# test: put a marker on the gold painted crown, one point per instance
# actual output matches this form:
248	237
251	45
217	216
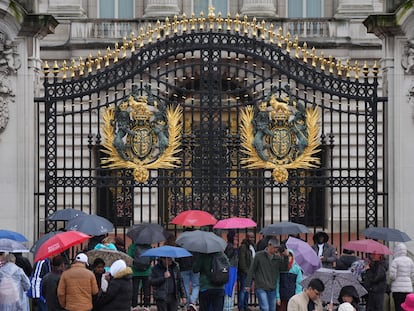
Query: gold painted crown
140	111
280	111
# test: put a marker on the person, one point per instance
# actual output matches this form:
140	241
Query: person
375	282
264	270
50	283
168	285
94	240
120	244
41	268
232	253
247	251
191	280
77	286
98	269
344	262
262	243
211	297
401	274
349	294
288	283
13	284
309	299
325	251
140	276
346	306
106	243
24	263
119	293
408	304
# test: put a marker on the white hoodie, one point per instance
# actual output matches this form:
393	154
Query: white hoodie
401	270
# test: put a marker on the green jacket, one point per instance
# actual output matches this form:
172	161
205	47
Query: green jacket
202	264
135	272
265	270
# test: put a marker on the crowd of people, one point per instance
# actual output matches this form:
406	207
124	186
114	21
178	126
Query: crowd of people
266	268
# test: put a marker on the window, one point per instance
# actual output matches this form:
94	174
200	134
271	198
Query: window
116	9
203	5
304	8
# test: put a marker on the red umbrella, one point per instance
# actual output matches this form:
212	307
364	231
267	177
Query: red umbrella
235	223
59	243
194	218
367	246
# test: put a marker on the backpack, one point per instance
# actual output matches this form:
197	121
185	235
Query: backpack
219	273
141	263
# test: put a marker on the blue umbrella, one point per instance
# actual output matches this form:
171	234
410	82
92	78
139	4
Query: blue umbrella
167	251
12	235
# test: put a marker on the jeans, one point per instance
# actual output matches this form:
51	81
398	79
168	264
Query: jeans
243	298
267	299
145	287
194	278
212	299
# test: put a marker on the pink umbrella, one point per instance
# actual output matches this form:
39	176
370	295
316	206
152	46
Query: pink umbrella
235	223
193	218
367	246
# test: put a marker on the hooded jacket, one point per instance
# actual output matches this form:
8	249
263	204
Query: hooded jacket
159	283
329	252
401	271
288	283
119	293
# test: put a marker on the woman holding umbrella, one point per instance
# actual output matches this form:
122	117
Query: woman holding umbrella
168	285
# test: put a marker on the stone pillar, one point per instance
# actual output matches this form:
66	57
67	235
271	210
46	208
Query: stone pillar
258	8
66	9
161	8
357	8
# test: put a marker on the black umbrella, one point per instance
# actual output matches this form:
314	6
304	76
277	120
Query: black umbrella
284	227
201	242
386	234
146	233
90	224
65	214
42	240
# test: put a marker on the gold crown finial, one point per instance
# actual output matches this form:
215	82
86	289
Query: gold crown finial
46	69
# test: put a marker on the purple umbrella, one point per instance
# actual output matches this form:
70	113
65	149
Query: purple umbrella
304	255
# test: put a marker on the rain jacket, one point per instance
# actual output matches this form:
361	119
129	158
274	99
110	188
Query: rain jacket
135	272
401	271
288	283
13	284
158	281
76	288
119	293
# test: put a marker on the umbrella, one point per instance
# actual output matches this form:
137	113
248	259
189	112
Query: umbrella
334	280
109	256
201	242
235	223
59	243
284	227
146	233
65	214
90	224
167	251
304	255
367	246
193	218
42	240
12	235
12	246
386	234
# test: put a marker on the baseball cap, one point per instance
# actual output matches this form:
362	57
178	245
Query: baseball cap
82	258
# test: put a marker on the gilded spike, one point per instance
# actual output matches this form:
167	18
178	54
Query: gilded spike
263	30
356	69
175	24
288	42
305	52
339	67
228	22
107	56
81	66
245	25
46	69
167	26
98	61
124	48
375	68
348	68
220	21
116	52
72	68
201	20
365	69
331	64
314	57
271	33
55	68
211	17
280	37
150	31
322	61
132	42
64	70
296	47
184	22
237	22
254	26
89	63
142	36
193	21
158	30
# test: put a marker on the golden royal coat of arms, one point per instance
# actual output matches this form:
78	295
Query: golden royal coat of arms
142	135
279	136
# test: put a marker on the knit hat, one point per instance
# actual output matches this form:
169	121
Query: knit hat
117	266
82	258
346	306
408	304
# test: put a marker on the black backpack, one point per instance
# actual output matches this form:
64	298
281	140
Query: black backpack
219	273
141	263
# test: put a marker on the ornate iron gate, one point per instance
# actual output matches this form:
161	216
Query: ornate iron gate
213	68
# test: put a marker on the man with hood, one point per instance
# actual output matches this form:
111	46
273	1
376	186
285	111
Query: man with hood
325	251
401	274
288	283
119	293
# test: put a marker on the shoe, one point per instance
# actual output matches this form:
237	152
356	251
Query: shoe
192	307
